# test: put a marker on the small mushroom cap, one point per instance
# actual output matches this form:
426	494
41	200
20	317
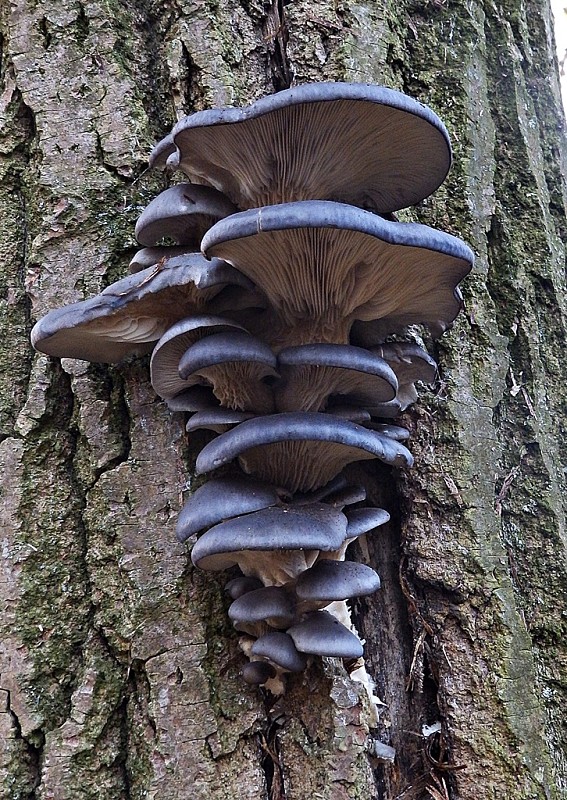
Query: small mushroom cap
223	498
410	363
193	399
268	603
258	672
217	419
280	649
357	143
266	447
322	634
182	213
236	364
311	373
393	431
324	265
311	527
164	364
363	520
151	256
218	349
330	580
129	316
241	585
162	151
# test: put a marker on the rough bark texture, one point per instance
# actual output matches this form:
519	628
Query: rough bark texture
119	671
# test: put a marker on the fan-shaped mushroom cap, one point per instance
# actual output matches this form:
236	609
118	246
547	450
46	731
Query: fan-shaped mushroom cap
150	256
362	520
323	265
280	649
310	527
223	498
301	450
357	143
322	634
311	373
329	580
129	316
217	419
270	603
235	363
164	364
182	213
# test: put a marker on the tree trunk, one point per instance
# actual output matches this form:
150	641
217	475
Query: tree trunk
119	669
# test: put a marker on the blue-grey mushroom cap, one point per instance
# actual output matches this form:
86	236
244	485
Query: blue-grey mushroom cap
329	580
322	634
164	364
152	256
216	419
363	520
258	672
265	604
311	373
312	527
301	451
221	348
182	213
239	367
241	585
358	143
281	650
129	316
193	399
223	498
324	265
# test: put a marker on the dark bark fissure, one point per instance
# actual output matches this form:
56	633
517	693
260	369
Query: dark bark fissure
31	756
276	35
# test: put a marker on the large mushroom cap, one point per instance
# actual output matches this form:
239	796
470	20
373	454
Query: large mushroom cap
311	373
324	265
312	527
164	365
357	143
322	634
182	213
223	498
301	450
129	316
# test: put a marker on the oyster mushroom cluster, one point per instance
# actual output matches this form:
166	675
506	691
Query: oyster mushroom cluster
269	312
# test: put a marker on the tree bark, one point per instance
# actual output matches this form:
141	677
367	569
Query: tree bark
119	669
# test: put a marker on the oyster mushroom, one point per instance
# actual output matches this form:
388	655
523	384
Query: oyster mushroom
129	316
357	143
182	213
235	364
323	265
301	450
